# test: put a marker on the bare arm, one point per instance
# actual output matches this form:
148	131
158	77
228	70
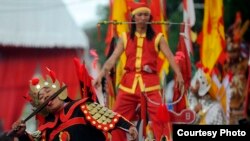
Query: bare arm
110	62
169	55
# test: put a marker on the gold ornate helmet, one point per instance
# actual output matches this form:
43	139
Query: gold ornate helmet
37	83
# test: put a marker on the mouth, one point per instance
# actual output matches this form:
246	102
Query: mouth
50	103
142	22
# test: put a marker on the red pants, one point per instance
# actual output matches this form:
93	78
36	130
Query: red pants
126	105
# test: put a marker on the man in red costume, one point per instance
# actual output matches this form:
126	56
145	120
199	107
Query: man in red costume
140	85
64	119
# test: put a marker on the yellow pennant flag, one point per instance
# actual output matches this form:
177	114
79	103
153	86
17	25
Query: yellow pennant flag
120	13
213	40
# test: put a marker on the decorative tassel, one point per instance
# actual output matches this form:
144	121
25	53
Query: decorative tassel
179	56
95	56
34	81
162	113
52	75
206	70
99	32
198	65
27	97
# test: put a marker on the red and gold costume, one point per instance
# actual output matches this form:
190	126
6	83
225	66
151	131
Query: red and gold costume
140	83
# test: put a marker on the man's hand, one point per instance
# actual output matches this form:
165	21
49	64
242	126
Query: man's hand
133	133
180	83
198	108
19	128
97	82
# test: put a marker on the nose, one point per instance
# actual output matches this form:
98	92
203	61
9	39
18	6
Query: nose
46	97
144	17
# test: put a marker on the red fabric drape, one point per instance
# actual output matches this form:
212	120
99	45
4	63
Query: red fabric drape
185	68
158	13
61	62
13	84
17	67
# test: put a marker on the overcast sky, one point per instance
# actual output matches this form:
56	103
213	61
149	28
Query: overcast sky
84	11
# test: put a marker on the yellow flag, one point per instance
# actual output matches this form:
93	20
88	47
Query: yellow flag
120	13
213	33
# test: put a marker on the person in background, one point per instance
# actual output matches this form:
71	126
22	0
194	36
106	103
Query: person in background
237	64
208	110
140	84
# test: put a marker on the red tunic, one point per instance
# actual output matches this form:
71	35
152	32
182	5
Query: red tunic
141	63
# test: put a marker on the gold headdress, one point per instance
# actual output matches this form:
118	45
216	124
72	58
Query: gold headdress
36	84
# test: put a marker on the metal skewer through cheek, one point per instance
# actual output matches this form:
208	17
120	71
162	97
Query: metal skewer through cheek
39	108
126	22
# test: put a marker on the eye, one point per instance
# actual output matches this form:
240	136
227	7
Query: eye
146	14
48	90
139	14
40	96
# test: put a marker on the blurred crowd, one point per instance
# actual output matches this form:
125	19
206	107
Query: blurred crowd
222	96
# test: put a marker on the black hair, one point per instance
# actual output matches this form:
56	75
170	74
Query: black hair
150	33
